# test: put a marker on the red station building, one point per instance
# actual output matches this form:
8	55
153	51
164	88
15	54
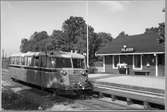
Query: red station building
140	54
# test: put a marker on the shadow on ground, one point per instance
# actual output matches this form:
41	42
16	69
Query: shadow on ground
30	99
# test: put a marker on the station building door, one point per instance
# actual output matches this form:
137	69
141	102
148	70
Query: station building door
161	64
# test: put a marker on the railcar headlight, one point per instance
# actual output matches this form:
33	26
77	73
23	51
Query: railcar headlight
79	84
63	73
84	73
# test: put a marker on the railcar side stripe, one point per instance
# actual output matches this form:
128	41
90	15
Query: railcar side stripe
34	68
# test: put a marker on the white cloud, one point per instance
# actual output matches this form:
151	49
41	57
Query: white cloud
115	6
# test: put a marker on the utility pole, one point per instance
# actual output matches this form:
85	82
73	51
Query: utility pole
3	53
87	36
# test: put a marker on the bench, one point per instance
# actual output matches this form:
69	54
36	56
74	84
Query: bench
146	72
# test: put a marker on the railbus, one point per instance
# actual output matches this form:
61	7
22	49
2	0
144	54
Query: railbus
55	70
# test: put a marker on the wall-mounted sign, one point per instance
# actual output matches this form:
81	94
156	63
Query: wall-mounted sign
126	50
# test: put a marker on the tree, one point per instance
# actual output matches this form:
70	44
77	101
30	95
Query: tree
34	43
37	36
23	45
160	30
122	34
73	28
105	38
58	40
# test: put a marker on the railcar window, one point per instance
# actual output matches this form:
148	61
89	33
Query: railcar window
22	61
26	60
78	63
63	63
43	61
15	60
10	60
29	61
36	61
53	62
19	60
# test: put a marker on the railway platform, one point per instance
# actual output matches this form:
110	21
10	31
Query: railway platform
144	88
130	80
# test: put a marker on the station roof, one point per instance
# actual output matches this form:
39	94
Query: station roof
141	43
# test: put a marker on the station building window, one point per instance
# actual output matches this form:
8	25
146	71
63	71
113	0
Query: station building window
137	62
115	62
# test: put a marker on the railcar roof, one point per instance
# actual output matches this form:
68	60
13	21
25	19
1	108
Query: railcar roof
66	54
52	54
29	54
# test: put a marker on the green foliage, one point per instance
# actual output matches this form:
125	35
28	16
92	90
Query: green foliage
160	30
24	44
73	28
122	34
35	43
105	38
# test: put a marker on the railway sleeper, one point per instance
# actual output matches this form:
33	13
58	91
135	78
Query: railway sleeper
129	101
113	97
146	105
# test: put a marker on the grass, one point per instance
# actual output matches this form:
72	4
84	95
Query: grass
13	101
10	99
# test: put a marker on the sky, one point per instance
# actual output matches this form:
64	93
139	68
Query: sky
20	19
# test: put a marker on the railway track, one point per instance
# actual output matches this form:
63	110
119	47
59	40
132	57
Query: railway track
100	104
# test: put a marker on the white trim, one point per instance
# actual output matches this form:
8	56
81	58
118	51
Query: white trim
141	64
113	66
129	53
104	64
156	65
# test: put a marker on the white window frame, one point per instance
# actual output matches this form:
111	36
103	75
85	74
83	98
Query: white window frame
113	66
136	68
104	65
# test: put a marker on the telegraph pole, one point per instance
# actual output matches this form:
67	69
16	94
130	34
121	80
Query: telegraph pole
3	53
165	41
87	36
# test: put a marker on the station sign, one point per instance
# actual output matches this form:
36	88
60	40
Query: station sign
127	50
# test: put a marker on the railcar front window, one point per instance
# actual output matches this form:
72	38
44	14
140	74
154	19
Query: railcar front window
63	63
78	63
